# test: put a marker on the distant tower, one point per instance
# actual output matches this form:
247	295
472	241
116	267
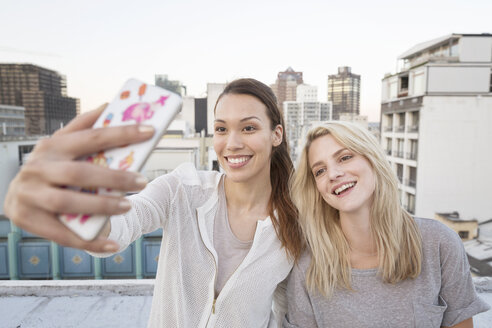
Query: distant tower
344	92
162	81
285	88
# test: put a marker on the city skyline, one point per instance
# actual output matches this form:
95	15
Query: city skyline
100	45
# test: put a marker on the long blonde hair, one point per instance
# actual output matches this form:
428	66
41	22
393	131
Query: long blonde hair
396	234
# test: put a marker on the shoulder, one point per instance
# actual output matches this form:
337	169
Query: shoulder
437	232
440	244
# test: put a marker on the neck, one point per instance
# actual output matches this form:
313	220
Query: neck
248	196
357	229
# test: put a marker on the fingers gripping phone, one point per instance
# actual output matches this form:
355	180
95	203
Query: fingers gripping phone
136	103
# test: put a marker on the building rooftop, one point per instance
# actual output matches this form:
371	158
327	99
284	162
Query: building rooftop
108	303
421	47
454	217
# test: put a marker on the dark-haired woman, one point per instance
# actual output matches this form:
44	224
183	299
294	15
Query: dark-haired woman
228	238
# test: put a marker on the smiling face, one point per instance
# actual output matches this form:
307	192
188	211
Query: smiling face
345	179
243	138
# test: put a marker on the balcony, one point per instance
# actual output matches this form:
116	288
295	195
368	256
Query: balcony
398	153
400	128
388	129
411	155
413	128
410	182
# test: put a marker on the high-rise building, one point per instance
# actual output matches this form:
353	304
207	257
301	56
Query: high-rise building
436	126
344	92
285	88
161	80
43	94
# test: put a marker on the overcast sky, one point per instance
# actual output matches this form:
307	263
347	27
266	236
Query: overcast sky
100	44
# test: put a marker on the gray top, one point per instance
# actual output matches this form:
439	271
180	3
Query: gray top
443	294
230	250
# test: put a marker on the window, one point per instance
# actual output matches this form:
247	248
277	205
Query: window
463	234
490	90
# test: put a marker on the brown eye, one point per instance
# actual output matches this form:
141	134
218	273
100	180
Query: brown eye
249	128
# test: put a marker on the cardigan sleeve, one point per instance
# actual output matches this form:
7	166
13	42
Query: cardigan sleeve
150	208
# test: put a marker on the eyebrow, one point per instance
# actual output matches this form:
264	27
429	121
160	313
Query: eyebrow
242	120
341	150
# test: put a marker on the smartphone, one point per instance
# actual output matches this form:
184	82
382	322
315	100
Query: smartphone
136	103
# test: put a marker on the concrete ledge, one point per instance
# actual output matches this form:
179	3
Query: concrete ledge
55	288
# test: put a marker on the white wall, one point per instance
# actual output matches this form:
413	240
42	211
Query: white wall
162	161
9	164
454	170
213	92
475	49
188	111
458	79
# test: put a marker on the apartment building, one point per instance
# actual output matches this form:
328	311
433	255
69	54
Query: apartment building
436	118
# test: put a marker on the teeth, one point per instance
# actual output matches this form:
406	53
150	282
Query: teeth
345	186
237	160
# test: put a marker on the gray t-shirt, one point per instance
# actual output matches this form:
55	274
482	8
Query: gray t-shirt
443	294
230	250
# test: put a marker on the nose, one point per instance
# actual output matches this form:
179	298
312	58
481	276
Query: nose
234	141
335	172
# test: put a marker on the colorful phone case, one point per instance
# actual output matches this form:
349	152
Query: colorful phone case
136	103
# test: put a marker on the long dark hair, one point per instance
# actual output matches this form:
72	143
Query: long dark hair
281	167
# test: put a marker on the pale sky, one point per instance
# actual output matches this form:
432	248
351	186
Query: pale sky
100	44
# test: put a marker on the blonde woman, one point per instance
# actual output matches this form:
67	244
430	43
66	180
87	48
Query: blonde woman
368	262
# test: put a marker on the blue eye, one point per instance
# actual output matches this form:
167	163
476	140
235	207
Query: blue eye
345	158
319	172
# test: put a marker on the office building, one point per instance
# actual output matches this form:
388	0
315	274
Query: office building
344	92
43	94
285	88
436	126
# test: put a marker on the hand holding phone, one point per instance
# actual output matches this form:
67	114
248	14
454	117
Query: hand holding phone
136	103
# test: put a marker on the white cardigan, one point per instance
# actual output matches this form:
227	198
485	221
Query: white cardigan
184	204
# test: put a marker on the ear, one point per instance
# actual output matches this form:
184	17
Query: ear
277	135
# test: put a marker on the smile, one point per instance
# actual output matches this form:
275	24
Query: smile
237	160
343	188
